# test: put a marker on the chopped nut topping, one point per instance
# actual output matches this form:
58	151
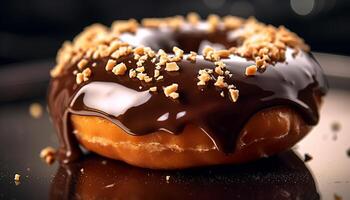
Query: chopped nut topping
132	73
203	77
122	26
219	70
209	54
220	82
110	64
192	56
231	22
141	76
222	94
35	110
86	74
48	154
170	91
223	53
119	69
140	69
82	63
172	66
156	73
251	70
220	64
148	79
234	94
178	52
79	78
159	78
193	18
153	89
213	22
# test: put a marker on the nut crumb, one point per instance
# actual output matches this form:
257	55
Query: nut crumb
79	78
203	77
48	154
251	70
222	94
172	66
234	94
17	177
82	63
35	110
159	78
132	73
156	73
220	82
167	178
110	64
170	91
193	18
192	56
153	89
119	69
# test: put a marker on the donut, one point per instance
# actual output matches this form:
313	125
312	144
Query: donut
176	92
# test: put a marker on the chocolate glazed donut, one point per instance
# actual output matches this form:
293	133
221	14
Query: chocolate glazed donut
103	93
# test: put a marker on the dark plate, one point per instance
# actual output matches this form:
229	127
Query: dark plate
285	176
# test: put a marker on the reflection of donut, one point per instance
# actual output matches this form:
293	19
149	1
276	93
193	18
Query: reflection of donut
121	90
281	177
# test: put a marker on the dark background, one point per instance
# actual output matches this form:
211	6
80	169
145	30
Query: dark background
35	29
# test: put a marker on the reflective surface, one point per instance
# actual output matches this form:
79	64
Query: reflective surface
281	177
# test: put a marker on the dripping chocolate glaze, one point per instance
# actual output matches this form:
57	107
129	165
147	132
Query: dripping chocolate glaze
294	83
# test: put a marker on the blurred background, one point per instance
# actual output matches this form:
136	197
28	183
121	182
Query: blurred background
35	29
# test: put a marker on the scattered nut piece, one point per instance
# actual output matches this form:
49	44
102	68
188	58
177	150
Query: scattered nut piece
234	94
178	52
203	77
193	18
110	64
172	66
48	154
82	63
156	73
220	82
86	74
222	94
17	177
159	78
153	89
192	56
167	178
35	110
140	69
223	53
170	91
132	73
79	78
219	71
251	70
119	69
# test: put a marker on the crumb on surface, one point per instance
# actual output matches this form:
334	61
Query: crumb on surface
251	70
170	91
17	177
172	66
234	94
119	69
36	110
48	154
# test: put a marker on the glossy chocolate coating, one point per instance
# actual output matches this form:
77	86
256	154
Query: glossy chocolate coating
294	82
277	178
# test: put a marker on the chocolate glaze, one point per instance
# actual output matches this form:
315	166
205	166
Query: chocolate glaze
280	177
294	82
